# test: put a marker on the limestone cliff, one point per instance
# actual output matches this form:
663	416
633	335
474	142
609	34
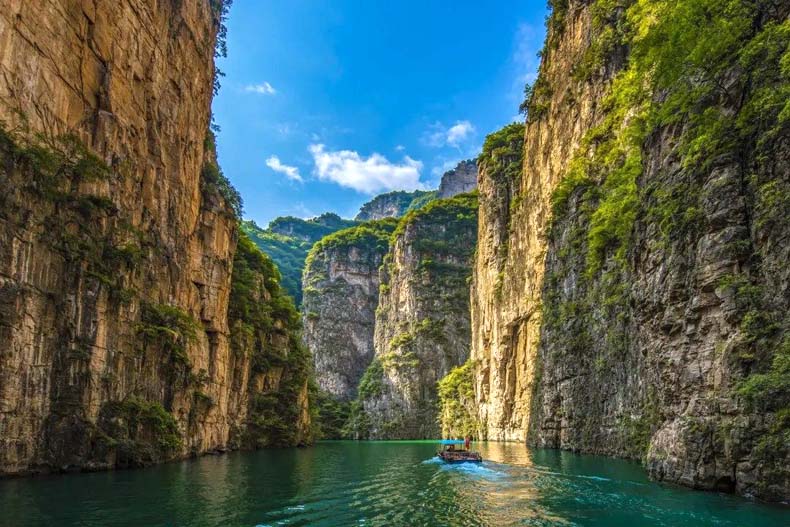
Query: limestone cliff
422	321
117	238
390	205
340	297
461	179
628	297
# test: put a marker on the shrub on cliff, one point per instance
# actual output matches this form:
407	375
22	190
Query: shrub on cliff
139	432
457	405
265	325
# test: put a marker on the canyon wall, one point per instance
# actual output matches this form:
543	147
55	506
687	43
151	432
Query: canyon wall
341	293
628	298
461	179
422	321
117	238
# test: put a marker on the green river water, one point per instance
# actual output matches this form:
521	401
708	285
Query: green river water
375	483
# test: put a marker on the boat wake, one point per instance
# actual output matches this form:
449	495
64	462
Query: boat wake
474	469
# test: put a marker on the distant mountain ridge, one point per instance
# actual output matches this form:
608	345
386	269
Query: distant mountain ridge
392	204
288	239
461	179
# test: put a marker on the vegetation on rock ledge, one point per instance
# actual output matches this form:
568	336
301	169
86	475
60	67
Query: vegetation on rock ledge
265	326
457	405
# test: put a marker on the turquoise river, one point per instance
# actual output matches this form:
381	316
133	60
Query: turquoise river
375	483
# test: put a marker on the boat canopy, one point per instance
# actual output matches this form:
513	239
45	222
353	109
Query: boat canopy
451	442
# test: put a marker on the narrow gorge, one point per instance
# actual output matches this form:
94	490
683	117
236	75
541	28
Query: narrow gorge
607	275
386	310
627	293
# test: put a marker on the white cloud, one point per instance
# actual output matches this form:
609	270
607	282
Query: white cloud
440	135
527	41
261	89
290	172
285	129
368	175
400	148
302	211
459	132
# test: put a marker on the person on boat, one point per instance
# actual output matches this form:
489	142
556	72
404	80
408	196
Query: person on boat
467	442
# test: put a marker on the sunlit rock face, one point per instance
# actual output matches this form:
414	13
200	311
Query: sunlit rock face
644	352
115	268
461	179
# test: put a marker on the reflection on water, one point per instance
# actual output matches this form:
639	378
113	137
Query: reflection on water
375	483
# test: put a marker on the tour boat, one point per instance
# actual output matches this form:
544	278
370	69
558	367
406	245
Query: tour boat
449	453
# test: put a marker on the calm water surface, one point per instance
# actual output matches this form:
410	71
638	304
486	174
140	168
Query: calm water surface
375	483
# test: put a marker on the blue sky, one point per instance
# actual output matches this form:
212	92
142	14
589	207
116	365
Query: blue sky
328	103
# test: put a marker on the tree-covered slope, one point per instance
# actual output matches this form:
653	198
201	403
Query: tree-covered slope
288	240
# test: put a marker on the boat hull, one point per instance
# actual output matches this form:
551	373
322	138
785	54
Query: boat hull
460	457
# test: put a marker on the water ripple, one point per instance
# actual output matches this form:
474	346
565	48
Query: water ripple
375	484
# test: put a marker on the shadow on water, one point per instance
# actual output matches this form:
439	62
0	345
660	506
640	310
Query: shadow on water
376	483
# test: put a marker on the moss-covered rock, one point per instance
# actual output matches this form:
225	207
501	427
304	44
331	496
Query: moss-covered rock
422	321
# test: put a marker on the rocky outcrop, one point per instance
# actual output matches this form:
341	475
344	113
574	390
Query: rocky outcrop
627	298
340	298
461	179
390	205
422	321
117	238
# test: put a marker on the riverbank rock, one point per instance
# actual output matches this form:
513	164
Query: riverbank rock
628	298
